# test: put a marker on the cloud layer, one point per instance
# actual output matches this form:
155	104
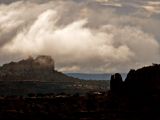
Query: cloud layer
81	36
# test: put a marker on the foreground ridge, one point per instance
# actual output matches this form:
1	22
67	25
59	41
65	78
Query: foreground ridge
136	98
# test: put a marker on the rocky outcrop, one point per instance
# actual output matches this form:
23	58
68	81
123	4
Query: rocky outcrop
141	81
40	62
38	75
138	93
29	69
116	83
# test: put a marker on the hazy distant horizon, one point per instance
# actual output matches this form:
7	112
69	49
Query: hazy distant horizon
94	76
104	36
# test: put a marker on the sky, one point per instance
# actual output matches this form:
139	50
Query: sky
89	36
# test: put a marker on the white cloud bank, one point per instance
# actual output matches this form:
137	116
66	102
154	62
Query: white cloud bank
76	47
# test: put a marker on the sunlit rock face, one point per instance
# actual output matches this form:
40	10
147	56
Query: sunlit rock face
28	69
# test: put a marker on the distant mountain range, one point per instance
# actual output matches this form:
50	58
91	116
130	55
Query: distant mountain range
94	76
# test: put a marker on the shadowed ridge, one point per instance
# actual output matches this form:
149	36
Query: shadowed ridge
39	69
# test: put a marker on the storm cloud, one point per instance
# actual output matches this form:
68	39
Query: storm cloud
82	36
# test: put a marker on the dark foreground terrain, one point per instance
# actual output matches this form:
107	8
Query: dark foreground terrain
32	89
61	106
92	106
23	88
136	98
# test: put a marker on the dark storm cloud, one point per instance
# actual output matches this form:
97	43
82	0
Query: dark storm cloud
7	1
7	36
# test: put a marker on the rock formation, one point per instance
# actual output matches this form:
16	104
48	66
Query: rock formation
40	68
143	80
140	91
38	75
116	83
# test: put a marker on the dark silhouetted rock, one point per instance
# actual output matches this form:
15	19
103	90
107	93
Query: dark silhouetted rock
145	80
140	91
116	83
142	81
